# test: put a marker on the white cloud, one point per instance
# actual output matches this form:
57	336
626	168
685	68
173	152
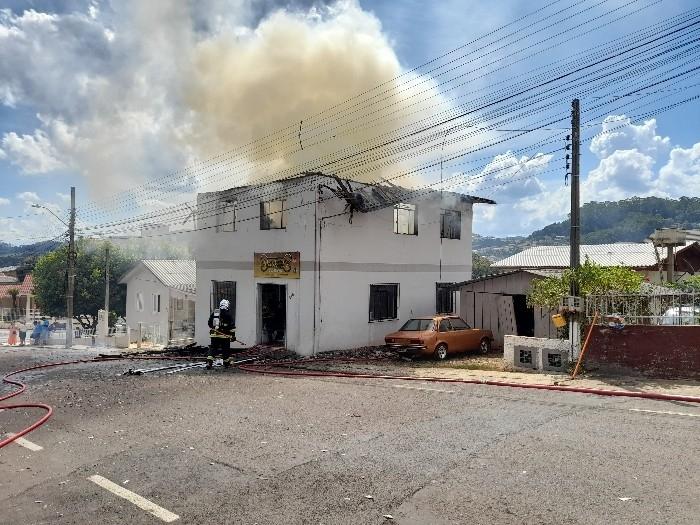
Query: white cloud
29	197
618	133
681	174
4	201
33	153
624	173
508	178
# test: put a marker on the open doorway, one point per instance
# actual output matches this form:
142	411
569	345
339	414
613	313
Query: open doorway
272	313
524	316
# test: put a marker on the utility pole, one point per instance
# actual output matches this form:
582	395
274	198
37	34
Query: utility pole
575	218
106	290
71	270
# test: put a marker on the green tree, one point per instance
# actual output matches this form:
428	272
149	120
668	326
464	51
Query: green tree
591	279
690	285
481	266
50	279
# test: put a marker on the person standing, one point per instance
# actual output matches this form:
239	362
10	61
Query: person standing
221	332
44	333
22	333
12	339
36	333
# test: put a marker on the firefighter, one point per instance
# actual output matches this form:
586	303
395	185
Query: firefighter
221	332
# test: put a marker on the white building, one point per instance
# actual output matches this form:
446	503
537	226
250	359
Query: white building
160	296
319	263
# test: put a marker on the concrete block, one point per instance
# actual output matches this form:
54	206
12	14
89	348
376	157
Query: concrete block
536	353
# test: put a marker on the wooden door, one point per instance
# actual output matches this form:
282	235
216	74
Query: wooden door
506	316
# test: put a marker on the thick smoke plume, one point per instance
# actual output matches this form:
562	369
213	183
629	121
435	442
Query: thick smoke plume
131	91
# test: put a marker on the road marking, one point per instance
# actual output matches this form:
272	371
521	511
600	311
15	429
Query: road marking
424	389
26	443
663	412
139	501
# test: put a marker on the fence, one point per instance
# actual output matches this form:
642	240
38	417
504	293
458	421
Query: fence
655	309
8	315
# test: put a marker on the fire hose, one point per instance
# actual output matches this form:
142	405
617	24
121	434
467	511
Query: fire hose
283	368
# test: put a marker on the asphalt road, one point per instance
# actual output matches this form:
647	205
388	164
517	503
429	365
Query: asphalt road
229	447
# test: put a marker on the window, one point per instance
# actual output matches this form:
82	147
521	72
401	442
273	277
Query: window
458	324
405	221
156	303
226	216
417	325
445	325
444	298
383	301
139	301
224	290
179	303
450	224
273	215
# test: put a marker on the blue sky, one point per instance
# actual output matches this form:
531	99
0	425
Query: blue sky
101	96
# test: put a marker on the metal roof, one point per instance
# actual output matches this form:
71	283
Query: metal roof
538	273
635	255
180	274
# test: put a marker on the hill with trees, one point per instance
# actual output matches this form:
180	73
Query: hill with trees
629	220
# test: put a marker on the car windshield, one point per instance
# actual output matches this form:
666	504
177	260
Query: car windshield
417	325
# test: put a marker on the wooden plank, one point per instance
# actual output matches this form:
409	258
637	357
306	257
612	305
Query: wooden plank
507	315
478	309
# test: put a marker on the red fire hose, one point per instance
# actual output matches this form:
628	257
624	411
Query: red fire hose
47	408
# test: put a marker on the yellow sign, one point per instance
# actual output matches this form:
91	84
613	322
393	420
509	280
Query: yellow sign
276	264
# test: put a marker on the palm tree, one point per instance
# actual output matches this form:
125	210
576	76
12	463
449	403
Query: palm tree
13	292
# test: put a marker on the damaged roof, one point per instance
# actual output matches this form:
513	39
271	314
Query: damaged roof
363	196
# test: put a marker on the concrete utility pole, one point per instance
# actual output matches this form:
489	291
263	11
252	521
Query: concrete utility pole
106	290
71	270
575	219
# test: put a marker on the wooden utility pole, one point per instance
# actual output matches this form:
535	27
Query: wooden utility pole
71	270
575	218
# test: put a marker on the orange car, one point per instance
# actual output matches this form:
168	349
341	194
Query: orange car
438	336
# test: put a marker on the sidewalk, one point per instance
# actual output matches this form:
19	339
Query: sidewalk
626	383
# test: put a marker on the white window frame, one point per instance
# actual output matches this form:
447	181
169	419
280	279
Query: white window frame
451	233
139	301
265	215
405	219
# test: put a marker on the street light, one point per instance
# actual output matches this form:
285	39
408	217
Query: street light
71	264
51	212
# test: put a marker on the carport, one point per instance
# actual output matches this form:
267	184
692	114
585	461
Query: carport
498	303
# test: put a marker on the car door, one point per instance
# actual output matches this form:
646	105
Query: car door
445	334
465	337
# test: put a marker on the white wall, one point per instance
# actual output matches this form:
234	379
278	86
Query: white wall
142	280
339	261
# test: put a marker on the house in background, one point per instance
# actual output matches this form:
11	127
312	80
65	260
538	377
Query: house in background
321	263
642	257
25	307
499	303
160	296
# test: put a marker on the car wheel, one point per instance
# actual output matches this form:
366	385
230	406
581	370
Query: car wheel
485	346
441	351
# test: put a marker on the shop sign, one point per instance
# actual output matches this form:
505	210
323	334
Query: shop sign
276	264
